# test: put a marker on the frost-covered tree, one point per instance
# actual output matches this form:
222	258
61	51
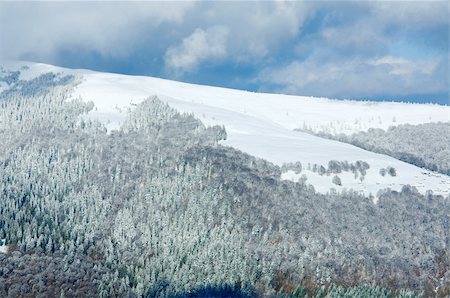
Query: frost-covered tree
391	171
296	167
336	180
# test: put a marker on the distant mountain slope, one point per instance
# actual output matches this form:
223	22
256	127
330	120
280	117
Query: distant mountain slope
262	124
425	145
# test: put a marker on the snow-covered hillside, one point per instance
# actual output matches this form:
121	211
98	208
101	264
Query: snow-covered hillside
263	124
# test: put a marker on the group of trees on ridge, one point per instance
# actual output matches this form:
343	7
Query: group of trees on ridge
359	169
424	145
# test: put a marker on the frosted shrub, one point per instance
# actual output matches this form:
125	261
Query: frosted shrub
336	180
391	171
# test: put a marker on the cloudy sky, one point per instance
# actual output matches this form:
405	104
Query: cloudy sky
387	50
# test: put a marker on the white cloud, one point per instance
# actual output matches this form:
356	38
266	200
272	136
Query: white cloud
411	13
257	29
392	76
363	34
110	28
402	66
201	45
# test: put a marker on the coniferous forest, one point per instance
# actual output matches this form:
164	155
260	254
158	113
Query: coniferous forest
159	209
424	145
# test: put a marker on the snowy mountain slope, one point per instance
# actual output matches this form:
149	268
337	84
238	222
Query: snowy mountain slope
262	124
318	114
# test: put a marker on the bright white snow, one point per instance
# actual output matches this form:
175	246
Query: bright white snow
3	247
262	124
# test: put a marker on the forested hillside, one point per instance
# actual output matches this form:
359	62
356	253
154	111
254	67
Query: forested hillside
160	209
424	145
